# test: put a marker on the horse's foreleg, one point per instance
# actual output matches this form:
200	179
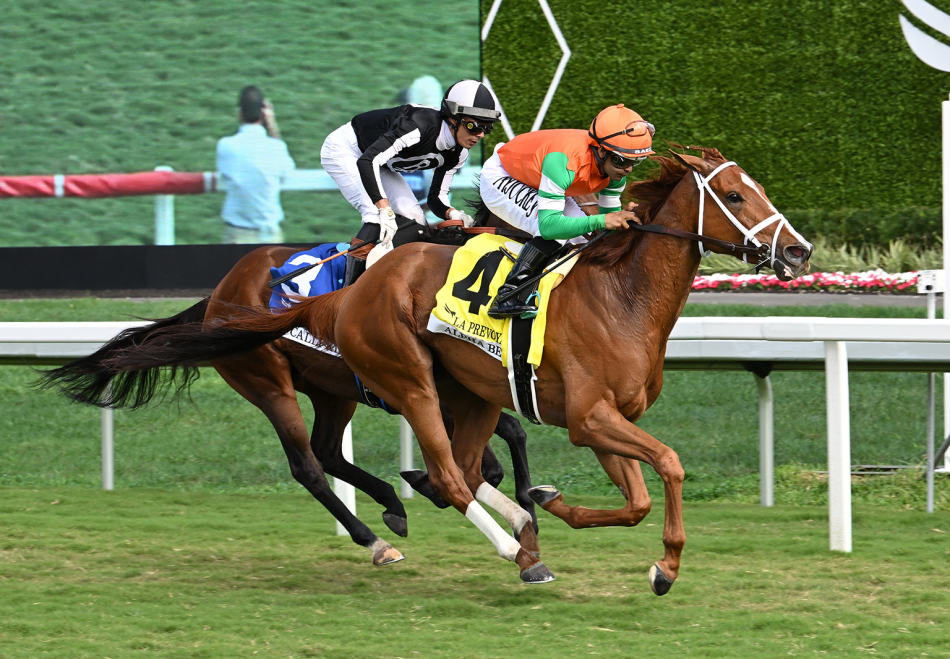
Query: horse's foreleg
625	474
601	427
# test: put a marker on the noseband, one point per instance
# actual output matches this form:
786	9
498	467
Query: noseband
765	252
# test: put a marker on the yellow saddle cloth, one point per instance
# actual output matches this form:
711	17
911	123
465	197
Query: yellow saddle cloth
478	270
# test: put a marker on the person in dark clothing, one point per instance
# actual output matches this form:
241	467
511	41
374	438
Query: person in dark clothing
368	154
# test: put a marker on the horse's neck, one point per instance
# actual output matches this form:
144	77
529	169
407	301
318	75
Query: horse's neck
650	283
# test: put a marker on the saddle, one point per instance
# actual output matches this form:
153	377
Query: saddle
450	232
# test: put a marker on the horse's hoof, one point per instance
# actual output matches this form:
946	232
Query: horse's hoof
419	481
398	525
659	582
537	573
543	494
387	555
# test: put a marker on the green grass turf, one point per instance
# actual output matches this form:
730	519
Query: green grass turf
89	574
217	441
91	86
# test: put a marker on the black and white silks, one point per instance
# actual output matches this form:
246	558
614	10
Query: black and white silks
408	138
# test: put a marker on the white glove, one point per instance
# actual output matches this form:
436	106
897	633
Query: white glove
387	226
467	219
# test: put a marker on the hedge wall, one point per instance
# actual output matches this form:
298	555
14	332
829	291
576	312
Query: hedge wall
821	101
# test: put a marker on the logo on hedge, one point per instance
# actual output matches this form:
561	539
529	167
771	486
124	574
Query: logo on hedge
931	51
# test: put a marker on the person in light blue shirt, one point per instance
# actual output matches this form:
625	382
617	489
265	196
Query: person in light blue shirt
250	166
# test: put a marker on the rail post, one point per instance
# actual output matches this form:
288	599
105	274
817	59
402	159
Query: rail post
164	215
345	491
108	445
766	442
839	445
405	455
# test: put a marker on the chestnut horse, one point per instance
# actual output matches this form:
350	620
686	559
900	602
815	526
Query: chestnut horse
607	329
268	377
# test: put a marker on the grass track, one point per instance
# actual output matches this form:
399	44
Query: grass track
92	574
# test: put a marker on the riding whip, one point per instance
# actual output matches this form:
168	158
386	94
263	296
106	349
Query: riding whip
299	271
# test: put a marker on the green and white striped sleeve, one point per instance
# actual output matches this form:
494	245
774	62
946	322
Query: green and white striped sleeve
556	178
609	198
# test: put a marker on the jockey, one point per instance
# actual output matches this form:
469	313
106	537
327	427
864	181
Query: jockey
530	181
407	138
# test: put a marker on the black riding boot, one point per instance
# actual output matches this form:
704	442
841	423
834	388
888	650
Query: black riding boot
533	257
354	268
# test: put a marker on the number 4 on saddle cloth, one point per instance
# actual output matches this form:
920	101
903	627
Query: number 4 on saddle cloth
324	278
478	270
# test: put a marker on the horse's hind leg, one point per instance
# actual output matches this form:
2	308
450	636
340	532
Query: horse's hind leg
625	474
331	415
263	378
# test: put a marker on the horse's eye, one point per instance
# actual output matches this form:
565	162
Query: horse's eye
733	197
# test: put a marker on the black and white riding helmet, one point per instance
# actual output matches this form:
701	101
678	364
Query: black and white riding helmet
470	98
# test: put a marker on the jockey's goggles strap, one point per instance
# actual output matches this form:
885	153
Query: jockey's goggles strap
749	234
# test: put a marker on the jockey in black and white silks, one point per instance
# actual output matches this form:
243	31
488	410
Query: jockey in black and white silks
366	156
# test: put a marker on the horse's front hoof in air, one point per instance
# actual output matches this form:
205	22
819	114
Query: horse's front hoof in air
659	582
384	553
537	573
544	494
398	525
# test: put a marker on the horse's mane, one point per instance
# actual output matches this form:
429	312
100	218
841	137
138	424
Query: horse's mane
650	196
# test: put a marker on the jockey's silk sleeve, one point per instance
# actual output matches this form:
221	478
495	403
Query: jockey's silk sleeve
609	198
556	178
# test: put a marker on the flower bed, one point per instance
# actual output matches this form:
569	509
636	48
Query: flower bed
874	281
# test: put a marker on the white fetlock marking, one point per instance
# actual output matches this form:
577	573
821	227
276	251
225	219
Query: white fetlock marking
506	545
378	545
514	514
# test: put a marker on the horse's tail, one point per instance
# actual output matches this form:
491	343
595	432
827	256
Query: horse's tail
128	371
89	380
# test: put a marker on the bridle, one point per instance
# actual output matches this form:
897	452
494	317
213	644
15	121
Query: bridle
765	252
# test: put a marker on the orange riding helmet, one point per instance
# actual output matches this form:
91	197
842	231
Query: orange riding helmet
623	131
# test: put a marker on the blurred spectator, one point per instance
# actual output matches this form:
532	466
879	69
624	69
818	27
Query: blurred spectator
251	164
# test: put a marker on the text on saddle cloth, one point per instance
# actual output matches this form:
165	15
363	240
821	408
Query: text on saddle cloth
478	270
324	278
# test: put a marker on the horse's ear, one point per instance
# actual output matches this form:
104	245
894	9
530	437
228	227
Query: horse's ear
690	162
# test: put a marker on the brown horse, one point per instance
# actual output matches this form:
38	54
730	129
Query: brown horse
268	377
608	325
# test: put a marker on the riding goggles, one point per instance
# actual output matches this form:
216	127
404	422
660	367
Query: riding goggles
620	162
475	128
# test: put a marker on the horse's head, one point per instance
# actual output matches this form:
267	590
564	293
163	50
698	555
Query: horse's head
732	205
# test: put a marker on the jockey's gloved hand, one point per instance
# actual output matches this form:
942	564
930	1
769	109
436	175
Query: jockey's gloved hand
387	225
467	219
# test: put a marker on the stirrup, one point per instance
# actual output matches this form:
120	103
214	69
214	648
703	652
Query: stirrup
513	307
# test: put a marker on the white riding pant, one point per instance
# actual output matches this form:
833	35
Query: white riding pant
513	201
338	156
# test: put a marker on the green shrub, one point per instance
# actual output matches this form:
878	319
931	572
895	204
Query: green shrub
820	101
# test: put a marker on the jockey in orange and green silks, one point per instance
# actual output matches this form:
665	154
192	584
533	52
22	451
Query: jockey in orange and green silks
530	183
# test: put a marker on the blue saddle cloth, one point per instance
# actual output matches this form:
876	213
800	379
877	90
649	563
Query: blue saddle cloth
324	278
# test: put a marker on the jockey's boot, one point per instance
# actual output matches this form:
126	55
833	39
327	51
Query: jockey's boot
354	268
533	257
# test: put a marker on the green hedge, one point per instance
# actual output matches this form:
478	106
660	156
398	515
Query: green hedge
821	101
